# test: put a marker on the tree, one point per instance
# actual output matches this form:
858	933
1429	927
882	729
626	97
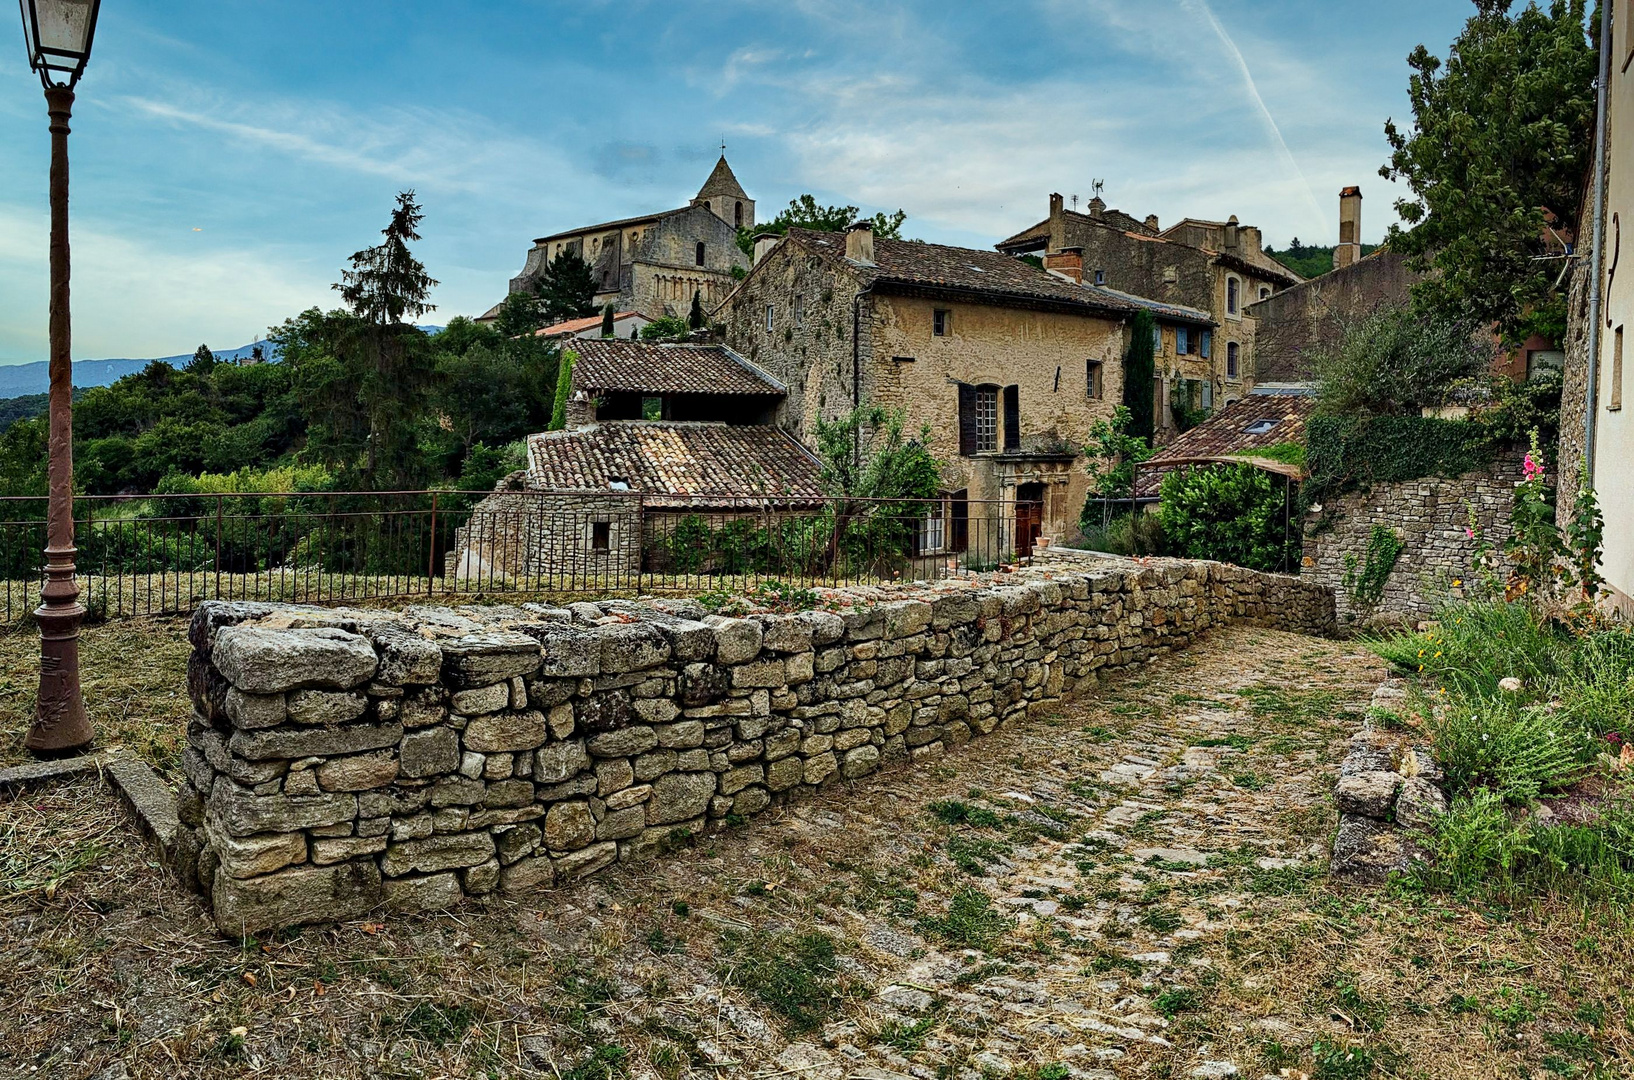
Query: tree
1112	454
566	288
695	317
1139	369
203	362
1500	142
665	328
564	390
608	321
807	213
518	315
1395	361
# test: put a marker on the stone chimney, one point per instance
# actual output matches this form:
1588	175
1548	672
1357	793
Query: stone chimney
1068	262
764	242
1231	238
1058	222
1349	249
859	243
1151	223
1097	207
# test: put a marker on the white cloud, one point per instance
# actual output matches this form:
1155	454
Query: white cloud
138	297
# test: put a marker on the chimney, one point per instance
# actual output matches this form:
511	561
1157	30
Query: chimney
1349	249
1151	223
1058	222
1068	262
1097	207
764	242
859	243
1231	229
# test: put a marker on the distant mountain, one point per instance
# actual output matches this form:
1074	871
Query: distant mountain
18	380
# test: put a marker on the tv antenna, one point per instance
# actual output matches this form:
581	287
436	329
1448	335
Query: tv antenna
1075	203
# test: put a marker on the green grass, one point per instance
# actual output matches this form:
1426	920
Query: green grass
907	1039
954	812
1176	1000
971	920
437	1024
795	975
606	1062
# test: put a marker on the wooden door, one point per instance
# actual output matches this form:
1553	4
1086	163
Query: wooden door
1029	517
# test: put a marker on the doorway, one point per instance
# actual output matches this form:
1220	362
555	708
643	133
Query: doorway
1029	517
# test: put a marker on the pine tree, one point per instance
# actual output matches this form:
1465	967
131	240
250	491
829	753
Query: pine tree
203	362
1139	369
695	317
567	288
607	314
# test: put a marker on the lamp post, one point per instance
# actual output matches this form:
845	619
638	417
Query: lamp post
58	34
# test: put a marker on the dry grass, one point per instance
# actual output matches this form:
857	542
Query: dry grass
708	962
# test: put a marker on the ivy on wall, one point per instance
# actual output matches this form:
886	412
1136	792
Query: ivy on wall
1346	452
1364	578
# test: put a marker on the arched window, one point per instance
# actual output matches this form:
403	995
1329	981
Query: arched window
700	253
1231	360
737	215
1231	296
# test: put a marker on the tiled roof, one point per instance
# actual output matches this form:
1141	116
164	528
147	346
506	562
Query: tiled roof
1227	434
574	326
992	274
649	367
722	182
677	464
609	226
1171	312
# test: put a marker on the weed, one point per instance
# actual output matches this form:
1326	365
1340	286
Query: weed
1162	920
971	920
1236	742
906	1039
436	1024
1340	1061
793	974
974	856
606	1062
954	812
1106	962
1174	1001
1249	781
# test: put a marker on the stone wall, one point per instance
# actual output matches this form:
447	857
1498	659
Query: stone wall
343	763
1430	515
549	538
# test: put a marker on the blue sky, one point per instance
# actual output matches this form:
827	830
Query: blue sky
229	156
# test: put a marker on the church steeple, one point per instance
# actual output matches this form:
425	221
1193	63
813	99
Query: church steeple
725	197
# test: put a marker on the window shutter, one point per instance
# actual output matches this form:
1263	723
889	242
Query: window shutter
967	420
1157	341
1208	340
1182	340
1012	418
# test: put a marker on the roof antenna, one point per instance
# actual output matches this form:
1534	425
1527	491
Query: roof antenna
1099	185
1075	204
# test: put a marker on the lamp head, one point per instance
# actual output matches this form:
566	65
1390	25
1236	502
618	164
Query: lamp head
58	35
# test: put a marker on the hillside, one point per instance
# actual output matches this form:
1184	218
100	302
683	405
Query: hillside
1310	261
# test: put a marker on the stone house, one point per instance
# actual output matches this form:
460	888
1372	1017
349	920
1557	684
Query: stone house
653	264
1214	266
614	379
1242	430
1008	364
626	324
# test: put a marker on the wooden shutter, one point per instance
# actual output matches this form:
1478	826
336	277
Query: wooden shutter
1208	342
967	420
1012	418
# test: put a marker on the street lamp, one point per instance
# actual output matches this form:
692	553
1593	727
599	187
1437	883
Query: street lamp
58	34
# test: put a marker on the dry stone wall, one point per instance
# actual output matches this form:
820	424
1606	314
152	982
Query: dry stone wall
1430	516
343	763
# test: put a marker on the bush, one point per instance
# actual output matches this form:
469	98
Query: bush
1347	452
1232	513
1128	534
1515	751
1394	360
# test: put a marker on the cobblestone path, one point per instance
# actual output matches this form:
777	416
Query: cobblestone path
1060	900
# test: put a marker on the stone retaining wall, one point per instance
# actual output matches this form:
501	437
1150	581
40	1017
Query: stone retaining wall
1430	516
343	763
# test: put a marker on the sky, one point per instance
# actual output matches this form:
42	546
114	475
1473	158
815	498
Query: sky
228	156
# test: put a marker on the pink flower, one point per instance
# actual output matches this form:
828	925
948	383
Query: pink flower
1531	468
1469	532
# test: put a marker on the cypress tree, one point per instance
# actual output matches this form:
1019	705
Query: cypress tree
607	314
564	390
695	317
1138	372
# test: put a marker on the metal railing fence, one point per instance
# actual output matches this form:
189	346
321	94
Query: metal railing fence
163	554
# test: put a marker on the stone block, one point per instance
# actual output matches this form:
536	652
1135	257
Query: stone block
289	743
689	640
588	861
481	699
751	801
361	772
302	894
632	647
825	626
736	640
436	892
799	668
680	796
560	761
859	762
622	824
516	841
1369	794
257	854
489	657
457	791
438	852
701	684
613	775
735	780
569	826
243	813
1420	804
785	633
819	768
506	731
567	651
626	742
341	848
656	710
761	673
527	877
785	773
432	752
261	660
253	711
604	712
325	706
508	793
481	880
630	796
682	736
405	658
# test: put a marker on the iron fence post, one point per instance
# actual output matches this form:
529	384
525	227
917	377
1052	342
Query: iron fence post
431	546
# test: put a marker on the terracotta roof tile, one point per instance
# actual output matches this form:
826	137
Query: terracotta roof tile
574	326
680	464
1235	430
649	367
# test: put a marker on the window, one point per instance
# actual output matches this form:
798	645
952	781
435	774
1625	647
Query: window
1231	295
978	419
1012	418
940	322
1231	360
1157	341
601	536
700	255
1616	400
1100	277
1260	427
1208	342
1182	340
1541	360
1092	380
799	310
933	532
1265	291
737	215
770	311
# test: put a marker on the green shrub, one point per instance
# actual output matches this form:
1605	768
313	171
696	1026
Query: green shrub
1474	644
971	920
1127	534
1517	751
1364	579
1233	513
1343	452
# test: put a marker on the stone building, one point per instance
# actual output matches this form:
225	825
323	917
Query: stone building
615	379
1008	364
1214	266
1596	430
655	263
626	324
